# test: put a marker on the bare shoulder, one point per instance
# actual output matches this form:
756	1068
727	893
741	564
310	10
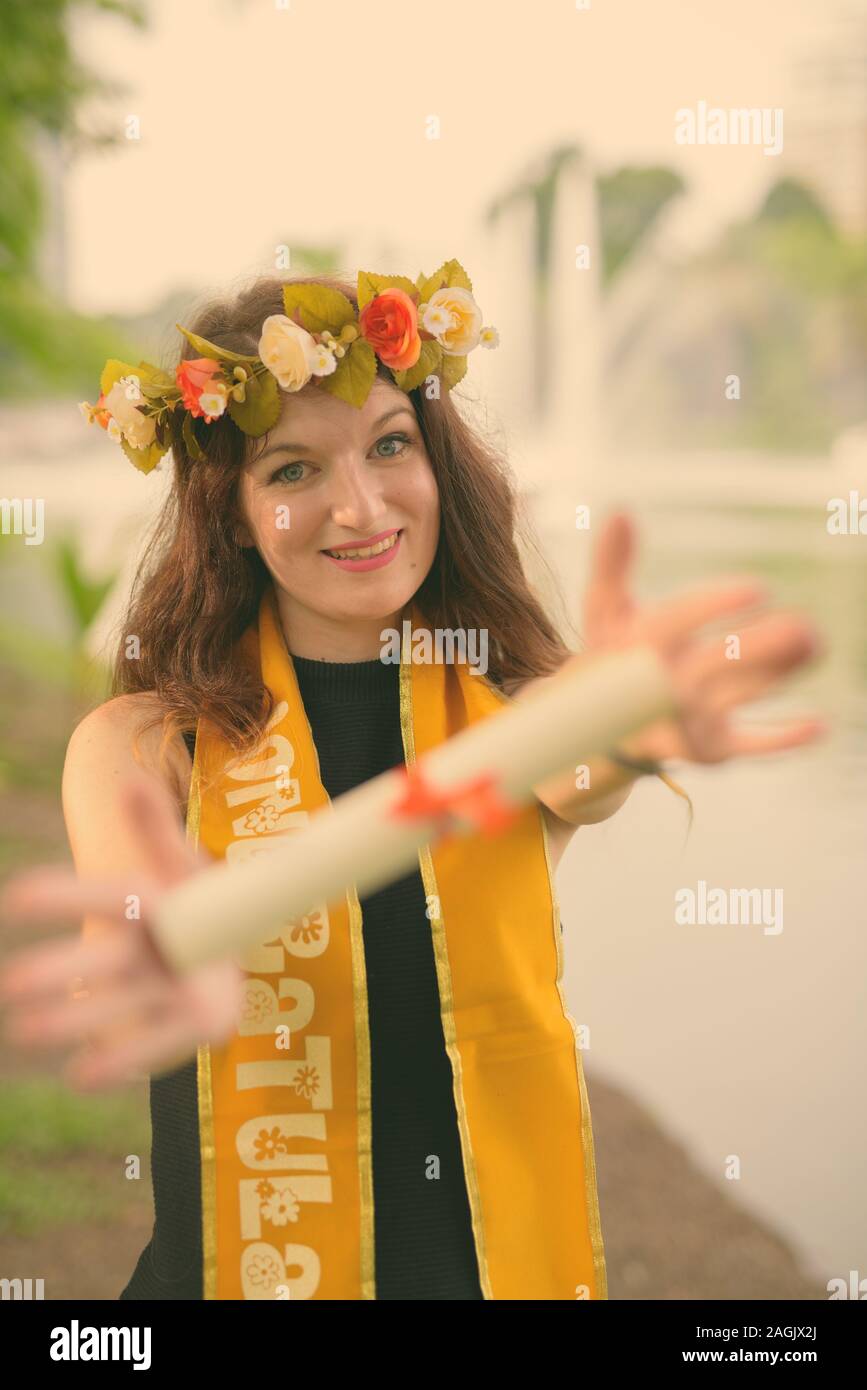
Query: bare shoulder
117	737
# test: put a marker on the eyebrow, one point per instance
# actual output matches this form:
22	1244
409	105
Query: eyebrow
303	448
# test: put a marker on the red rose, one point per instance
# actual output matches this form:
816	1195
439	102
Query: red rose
195	376
389	322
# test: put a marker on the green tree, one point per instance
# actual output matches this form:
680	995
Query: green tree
630	201
42	88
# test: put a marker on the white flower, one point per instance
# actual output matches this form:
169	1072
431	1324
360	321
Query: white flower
454	318
281	1207
114	430
287	350
489	337
213	403
137	428
323	361
86	410
132	387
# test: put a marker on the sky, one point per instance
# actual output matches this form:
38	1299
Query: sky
262	123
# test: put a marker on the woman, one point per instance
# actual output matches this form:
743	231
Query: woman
421	1130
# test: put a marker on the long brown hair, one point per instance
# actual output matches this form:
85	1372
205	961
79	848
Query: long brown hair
196	589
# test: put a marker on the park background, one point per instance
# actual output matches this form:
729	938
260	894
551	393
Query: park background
153	153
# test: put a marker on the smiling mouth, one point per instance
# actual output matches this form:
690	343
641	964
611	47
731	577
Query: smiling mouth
364	552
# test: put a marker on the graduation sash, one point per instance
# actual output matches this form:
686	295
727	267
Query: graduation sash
285	1104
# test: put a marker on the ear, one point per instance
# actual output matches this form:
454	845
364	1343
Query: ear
241	535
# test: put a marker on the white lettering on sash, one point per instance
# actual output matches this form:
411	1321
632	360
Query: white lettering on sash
309	1076
278	1195
262	1013
263	1271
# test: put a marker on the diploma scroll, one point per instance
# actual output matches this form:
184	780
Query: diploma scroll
365	838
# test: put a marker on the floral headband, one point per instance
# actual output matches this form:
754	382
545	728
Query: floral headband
417	330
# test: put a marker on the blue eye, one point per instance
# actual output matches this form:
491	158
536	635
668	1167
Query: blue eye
390	439
286	466
281	475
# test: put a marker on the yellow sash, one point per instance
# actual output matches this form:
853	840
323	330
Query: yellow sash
285	1104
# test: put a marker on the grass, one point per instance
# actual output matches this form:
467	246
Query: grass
56	1151
43	1118
34	1201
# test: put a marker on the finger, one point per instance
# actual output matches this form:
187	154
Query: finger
768	649
152	815
45	970
793	735
608	599
155	1049
61	1022
671	622
55	893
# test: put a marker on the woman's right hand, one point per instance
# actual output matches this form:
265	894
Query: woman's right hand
134	1013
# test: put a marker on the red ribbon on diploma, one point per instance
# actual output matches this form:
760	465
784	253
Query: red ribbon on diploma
478	800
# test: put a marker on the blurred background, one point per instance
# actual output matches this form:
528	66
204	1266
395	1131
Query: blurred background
683	333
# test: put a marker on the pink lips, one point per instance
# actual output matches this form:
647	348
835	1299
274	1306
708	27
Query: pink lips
374	562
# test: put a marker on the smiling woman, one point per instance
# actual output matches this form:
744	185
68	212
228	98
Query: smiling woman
325	477
360	501
319	536
387	1100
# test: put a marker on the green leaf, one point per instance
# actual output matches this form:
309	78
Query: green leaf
261	407
154	379
219	354
354	375
450	274
112	373
145	460
319	307
370	285
454	366
160	393
428	361
188	434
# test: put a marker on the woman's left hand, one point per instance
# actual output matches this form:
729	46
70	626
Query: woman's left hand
703	731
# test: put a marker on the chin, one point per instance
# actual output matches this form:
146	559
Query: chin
382	604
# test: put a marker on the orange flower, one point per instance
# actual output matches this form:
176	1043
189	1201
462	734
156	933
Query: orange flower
389	322
194	376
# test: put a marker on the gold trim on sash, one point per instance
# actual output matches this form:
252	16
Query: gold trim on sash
590	1193
517	1072
361	1016
444	984
207	1150
365	1097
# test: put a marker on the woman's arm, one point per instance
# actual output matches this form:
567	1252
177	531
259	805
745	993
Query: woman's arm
99	760
607	784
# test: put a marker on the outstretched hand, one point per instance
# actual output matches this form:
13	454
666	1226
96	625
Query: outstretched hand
711	678
135	1013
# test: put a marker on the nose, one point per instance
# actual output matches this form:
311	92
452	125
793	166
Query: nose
356	501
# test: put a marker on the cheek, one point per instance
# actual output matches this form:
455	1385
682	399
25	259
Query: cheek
425	500
280	525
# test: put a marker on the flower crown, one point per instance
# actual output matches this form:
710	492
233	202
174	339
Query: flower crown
417	330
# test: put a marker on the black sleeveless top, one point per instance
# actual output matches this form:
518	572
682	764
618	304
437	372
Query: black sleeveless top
423	1235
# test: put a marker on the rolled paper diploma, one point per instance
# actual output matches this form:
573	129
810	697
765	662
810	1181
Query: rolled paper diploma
369	836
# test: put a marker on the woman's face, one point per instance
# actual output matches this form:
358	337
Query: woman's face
334	478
